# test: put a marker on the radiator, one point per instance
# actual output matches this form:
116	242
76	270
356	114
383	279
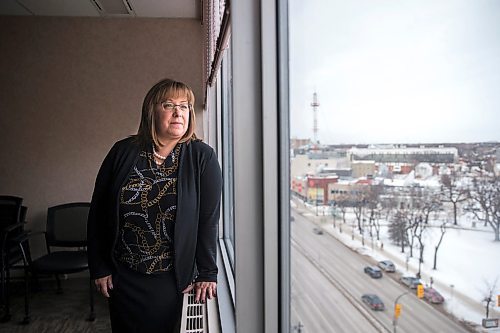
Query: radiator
194	315
198	317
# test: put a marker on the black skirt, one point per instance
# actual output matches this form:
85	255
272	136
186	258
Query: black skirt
141	303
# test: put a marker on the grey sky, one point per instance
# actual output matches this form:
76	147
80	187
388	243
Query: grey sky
396	71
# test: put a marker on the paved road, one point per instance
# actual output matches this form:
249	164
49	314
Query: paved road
328	281
319	306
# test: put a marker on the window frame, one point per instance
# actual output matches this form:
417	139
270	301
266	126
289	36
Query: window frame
259	288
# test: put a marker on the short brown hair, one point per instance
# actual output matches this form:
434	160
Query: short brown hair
160	91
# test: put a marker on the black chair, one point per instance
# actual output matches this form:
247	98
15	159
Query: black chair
67	230
14	248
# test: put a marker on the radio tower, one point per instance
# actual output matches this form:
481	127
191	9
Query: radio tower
315	105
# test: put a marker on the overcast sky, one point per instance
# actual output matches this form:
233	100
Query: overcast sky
389	71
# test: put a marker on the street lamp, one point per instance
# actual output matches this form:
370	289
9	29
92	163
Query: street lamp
298	327
396	315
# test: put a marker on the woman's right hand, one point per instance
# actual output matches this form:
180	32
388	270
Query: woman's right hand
104	285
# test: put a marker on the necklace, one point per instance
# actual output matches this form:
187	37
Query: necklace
158	155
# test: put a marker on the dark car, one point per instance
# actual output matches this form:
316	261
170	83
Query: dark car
373	271
387	266
410	281
318	231
373	301
433	296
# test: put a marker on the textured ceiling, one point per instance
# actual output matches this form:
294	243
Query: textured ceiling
104	8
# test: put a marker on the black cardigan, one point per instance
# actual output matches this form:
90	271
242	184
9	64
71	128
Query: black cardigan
199	188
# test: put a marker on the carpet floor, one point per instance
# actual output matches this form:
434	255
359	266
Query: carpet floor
57	313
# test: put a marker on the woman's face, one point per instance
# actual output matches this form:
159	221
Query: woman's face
172	118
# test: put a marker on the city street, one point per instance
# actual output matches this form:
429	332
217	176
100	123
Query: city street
327	284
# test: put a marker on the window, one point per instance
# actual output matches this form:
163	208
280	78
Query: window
227	155
404	94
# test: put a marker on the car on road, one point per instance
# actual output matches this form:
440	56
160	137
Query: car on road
431	295
373	271
373	301
410	281
318	231
387	266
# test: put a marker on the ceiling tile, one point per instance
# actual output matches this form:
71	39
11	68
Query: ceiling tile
11	7
60	7
162	8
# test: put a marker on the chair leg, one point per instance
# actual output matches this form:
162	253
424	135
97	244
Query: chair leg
2	282
59	288
24	247
6	295
92	311
27	317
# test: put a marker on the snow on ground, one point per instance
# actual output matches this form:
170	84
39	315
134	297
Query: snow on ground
468	260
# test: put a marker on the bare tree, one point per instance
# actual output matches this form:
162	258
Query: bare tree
427	204
359	202
489	295
412	227
374	209
419	231
453	192
343	204
423	203
485	193
388	207
375	217
443	229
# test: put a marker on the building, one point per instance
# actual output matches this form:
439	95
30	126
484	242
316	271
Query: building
299	143
363	169
317	163
406	155
345	190
73	79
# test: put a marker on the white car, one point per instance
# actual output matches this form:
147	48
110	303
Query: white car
410	281
387	266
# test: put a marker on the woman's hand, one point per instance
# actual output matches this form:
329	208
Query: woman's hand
104	285
202	290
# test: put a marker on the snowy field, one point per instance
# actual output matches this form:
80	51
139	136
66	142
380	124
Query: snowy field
468	261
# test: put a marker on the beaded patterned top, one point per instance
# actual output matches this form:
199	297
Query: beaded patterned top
147	214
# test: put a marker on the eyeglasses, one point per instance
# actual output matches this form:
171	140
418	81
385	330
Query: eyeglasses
169	106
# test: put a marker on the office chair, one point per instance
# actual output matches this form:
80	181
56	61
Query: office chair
13	246
66	228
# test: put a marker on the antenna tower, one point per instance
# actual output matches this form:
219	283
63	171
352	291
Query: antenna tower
315	105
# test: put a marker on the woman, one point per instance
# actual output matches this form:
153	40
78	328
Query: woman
152	227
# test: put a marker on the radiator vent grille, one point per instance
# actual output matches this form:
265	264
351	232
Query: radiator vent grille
194	316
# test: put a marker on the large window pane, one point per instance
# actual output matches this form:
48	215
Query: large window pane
395	139
227	162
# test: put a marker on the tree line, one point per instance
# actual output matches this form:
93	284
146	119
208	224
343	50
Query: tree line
411	210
